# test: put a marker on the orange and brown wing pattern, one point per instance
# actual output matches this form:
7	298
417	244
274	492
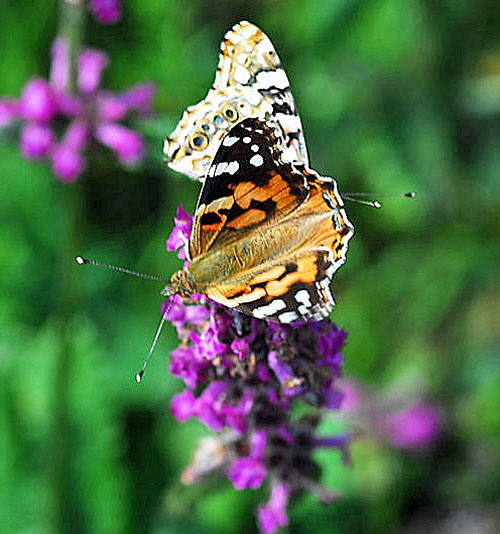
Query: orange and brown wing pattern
307	247
247	187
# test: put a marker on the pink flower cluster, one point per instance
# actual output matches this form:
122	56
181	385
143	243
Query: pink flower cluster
60	126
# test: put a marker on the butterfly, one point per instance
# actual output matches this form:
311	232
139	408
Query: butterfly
250	82
267	235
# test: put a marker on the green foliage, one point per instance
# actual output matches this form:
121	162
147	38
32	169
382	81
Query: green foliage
394	96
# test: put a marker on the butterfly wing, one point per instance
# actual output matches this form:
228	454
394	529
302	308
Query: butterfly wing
267	238
247	186
294	285
250	82
249	59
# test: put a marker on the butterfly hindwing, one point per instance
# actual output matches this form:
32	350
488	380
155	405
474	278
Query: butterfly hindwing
247	186
295	289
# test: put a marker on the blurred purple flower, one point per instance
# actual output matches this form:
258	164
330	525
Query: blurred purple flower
179	238
273	515
242	375
38	101
106	11
91	65
247	473
9	111
413	427
36	140
399	418
93	113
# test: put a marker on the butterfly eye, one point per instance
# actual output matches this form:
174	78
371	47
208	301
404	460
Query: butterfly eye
219	121
199	141
207	127
230	113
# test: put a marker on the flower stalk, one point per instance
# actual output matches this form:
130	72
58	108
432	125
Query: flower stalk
71	25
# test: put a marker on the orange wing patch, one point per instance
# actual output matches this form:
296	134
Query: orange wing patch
249	218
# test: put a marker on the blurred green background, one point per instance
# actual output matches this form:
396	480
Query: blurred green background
394	96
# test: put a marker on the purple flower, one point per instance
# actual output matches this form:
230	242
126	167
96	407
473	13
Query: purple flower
91	64
183	405
106	11
9	111
247	473
67	163
125	142
186	364
139	98
413	427
179	238
36	140
273	515
92	113
38	102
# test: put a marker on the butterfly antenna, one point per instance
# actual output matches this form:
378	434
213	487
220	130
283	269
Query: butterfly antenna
375	203
140	375
86	261
370	203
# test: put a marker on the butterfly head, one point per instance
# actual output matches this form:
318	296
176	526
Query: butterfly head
180	284
193	144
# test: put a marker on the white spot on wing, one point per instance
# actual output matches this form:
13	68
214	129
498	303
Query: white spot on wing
255	148
276	78
288	317
303	297
273	307
241	75
246	139
257	160
229	140
233	167
223	167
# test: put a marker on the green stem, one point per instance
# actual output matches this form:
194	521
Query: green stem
63	512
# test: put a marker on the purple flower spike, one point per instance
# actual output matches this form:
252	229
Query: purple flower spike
247	473
67	163
273	515
10	110
413	427
106	11
91	63
125	142
249	375
83	114
36	140
38	102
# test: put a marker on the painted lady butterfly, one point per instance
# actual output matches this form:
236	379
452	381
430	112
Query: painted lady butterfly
267	235
250	82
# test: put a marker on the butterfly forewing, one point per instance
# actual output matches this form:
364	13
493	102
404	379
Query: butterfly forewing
247	186
267	238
